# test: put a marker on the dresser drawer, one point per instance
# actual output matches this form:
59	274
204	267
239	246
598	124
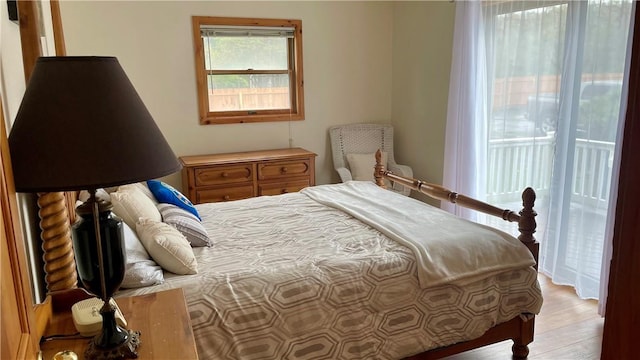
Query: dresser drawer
224	194
282	187
217	175
283	169
241	175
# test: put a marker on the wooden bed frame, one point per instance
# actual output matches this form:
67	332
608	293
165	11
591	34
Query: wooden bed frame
516	329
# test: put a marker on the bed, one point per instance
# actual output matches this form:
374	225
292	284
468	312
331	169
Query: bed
343	271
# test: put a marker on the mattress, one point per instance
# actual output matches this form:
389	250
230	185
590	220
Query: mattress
290	278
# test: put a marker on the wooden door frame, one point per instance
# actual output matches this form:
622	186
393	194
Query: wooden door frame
29	20
622	316
27	346
29	25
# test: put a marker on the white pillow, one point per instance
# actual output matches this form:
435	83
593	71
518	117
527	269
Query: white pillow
167	246
130	204
142	186
140	269
363	165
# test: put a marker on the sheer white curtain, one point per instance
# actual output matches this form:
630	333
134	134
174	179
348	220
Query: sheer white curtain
608	234
543	112
466	135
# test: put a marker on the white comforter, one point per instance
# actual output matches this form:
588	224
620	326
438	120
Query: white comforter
449	249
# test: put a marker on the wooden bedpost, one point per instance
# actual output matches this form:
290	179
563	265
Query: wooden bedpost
527	223
526	226
379	170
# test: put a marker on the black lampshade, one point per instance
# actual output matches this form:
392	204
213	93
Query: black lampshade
81	125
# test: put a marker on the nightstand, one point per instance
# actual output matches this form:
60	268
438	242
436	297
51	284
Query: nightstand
162	319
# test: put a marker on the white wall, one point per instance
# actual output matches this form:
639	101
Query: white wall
12	83
347	49
422	47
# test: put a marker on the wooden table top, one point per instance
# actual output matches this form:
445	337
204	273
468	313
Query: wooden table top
244	156
162	319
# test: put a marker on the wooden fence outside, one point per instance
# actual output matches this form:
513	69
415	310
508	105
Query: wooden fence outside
249	99
515	91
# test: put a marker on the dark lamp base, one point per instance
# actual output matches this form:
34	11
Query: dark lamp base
126	350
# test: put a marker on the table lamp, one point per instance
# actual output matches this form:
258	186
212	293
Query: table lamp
82	126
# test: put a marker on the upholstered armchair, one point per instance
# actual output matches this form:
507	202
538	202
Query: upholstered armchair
361	139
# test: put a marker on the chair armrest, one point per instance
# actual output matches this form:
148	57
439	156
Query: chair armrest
402	170
345	174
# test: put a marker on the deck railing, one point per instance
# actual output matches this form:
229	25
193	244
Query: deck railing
593	163
517	163
520	162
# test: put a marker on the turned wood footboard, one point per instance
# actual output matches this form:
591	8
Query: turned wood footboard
516	329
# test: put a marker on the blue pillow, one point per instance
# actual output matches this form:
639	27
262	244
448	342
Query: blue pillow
165	193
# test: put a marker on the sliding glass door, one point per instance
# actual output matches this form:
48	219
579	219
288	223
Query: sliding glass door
555	72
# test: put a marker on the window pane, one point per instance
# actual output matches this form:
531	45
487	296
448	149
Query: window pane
248	92
248	70
605	44
603	65
527	65
526	53
242	53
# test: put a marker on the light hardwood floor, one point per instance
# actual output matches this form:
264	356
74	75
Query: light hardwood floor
567	328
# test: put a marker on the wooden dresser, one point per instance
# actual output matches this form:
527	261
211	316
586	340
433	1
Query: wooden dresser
241	175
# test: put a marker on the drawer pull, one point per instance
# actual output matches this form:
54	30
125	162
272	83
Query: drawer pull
283	170
225	174
284	191
226	198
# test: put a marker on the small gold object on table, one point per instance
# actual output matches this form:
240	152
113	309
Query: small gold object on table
65	355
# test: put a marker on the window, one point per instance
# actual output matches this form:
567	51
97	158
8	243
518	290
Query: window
248	70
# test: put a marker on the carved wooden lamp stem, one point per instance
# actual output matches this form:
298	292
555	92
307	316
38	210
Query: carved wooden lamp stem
59	261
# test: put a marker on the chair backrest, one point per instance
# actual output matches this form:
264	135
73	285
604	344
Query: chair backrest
360	139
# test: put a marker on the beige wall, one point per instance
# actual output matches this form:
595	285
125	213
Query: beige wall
347	48
422	46
364	61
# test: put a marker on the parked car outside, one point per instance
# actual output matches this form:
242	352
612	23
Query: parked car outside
598	112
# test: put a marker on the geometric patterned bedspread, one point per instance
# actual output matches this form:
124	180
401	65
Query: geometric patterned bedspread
289	278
